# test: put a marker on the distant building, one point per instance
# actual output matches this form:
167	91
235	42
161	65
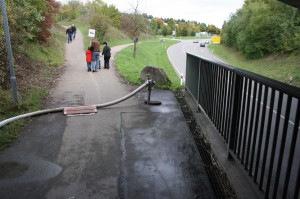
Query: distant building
204	34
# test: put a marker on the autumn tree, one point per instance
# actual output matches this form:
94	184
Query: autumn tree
32	23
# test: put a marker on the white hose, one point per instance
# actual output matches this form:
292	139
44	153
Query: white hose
55	110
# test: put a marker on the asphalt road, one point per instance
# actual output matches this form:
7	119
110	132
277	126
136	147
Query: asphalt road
177	54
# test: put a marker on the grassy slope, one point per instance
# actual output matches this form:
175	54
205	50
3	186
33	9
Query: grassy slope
150	53
35	73
278	67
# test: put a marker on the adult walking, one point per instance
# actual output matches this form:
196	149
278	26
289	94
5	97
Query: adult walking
107	55
69	33
96	55
74	30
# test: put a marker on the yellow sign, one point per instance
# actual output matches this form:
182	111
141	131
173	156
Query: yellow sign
216	39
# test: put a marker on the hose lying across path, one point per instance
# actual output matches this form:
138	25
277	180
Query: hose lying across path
55	110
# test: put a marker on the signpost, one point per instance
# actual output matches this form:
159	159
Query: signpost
91	33
13	80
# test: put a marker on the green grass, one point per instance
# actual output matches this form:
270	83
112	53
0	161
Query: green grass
87	41
151	53
32	100
51	54
278	67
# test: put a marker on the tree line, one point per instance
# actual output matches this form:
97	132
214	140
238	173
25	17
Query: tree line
103	15
263	27
180	26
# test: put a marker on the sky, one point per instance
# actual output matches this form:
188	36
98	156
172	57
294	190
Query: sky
213	12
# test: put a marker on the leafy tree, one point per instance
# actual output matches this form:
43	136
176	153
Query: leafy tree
100	23
33	18
263	27
171	24
184	31
46	24
74	6
112	13
154	25
213	29
165	31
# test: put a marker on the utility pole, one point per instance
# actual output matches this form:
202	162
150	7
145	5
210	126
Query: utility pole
13	79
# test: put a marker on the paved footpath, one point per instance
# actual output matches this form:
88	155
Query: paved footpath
129	150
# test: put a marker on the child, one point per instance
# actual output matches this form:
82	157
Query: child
107	54
89	58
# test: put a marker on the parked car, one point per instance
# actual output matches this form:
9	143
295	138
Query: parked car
195	41
202	44
207	42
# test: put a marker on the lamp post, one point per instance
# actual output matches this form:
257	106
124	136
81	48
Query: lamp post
13	80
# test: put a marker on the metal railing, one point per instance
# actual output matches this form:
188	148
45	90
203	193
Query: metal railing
258	118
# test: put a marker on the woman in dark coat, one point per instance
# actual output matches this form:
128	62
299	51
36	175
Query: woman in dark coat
107	55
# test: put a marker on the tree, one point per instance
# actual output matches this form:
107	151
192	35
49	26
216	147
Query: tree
262	28
100	23
138	24
75	8
46	24
213	29
33	17
112	13
165	31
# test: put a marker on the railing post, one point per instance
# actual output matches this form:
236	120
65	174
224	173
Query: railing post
199	85
235	112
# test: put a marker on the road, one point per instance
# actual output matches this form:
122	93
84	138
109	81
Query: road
177	54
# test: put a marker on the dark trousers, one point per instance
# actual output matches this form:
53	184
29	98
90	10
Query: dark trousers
106	62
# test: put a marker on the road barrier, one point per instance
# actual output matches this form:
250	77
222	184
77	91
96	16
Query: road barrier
257	117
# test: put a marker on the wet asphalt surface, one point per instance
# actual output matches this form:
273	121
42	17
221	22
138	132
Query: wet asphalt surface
130	150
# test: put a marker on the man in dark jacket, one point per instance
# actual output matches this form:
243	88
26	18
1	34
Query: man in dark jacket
74	30
96	55
69	33
107	55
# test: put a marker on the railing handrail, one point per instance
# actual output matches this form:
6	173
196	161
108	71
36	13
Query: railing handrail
258	118
280	86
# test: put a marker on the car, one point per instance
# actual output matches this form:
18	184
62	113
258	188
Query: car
195	41
207	42
202	44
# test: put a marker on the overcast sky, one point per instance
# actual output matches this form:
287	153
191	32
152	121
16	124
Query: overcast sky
207	11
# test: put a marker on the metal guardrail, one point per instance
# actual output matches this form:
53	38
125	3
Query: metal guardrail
258	118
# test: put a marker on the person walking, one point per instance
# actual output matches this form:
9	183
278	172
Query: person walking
74	30
69	33
96	55
89	58
107	55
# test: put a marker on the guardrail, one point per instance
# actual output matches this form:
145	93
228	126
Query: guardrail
258	118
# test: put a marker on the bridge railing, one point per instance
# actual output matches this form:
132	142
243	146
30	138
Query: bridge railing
258	118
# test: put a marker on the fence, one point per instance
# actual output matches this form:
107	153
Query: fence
258	118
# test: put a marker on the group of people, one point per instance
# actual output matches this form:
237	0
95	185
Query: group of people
93	56
71	33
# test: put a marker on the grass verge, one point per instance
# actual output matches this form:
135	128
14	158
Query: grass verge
279	67
150	53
